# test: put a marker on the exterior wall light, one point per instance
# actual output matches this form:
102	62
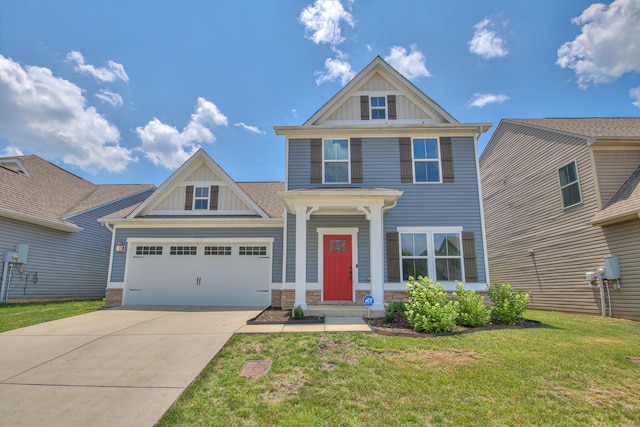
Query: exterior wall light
120	247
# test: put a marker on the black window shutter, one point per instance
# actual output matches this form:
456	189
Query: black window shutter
406	160
364	107
316	161
446	158
213	198
391	107
188	198
356	160
469	252
393	257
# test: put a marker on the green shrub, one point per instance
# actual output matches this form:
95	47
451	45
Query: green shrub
473	312
429	309
507	305
298	313
396	307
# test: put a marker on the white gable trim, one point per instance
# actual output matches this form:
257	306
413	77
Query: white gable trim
174	181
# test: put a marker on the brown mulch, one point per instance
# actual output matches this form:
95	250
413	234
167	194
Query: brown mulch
276	315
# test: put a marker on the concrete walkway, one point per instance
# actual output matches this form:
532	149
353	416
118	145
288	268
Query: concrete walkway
118	367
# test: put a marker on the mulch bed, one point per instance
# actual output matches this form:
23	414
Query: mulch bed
276	316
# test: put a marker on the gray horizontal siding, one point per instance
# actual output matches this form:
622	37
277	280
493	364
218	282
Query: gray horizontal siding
122	234
68	264
422	205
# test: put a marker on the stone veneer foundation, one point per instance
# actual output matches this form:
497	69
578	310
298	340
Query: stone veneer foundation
285	298
113	298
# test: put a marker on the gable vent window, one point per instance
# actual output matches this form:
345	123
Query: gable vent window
569	184
217	250
253	250
201	198
148	250
183	250
378	107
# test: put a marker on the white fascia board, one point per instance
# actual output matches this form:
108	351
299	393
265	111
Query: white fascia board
70	228
194	222
352	198
369	130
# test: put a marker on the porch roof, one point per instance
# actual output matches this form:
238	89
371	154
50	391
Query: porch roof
343	198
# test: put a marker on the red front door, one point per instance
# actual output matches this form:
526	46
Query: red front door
337	268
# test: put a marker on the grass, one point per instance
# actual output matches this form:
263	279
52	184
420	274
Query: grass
577	370
13	316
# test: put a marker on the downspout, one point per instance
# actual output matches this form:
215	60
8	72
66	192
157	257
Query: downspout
482	224
5	267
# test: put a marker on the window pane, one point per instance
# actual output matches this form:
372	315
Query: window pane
406	242
201	204
414	244
415	268
202	191
571	195
378	101
377	114
433	172
336	149
336	172
568	174
425	148
447	244
448	269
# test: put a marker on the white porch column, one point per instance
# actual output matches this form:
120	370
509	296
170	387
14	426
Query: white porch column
301	256
377	260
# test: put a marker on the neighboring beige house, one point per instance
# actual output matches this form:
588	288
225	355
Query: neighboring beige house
559	196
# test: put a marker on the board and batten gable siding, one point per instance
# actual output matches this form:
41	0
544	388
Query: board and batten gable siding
613	167
69	265
422	205
328	221
122	234
175	201
524	211
351	110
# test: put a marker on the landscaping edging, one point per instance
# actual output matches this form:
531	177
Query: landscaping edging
390	332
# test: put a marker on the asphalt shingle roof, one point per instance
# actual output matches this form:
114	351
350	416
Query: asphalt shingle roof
594	127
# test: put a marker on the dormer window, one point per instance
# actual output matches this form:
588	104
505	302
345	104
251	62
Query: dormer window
201	198
378	107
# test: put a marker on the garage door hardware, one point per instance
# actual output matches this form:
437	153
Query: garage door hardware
198	281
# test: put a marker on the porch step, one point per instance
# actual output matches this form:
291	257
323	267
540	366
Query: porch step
341	311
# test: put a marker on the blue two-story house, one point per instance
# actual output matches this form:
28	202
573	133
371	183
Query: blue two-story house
381	184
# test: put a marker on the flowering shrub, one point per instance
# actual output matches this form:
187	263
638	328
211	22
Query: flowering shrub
507	305
473	312
429	309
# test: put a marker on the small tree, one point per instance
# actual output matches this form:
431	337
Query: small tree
428	309
473	312
507	305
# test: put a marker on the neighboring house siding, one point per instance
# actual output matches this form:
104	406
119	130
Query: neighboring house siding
68	264
435	205
623	241
117	271
524	211
613	167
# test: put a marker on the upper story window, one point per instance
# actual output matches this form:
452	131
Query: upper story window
426	160
201	198
378	107
336	161
569	184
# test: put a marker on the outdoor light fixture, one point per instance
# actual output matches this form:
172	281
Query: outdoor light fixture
120	247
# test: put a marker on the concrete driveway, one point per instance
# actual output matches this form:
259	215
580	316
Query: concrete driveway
118	367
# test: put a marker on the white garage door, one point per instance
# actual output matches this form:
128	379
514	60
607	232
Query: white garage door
196	273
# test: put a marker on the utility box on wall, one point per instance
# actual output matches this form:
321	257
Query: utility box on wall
611	268
19	256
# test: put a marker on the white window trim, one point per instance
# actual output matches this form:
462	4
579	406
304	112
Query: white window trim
196	198
353	232
431	257
414	160
577	181
385	108
348	161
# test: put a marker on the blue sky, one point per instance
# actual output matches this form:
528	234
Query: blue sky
124	91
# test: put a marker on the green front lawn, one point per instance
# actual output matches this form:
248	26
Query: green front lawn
13	316
577	370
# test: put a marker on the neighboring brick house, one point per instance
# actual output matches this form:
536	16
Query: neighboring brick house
48	217
560	196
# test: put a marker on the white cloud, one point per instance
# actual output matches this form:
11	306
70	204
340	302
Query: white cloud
411	65
335	69
46	114
635	94
322	21
486	42
109	97
110	73
11	151
165	145
249	128
608	45
480	100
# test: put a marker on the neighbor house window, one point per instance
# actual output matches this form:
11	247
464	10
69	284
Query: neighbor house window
201	198
433	254
336	161
378	107
426	160
569	185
